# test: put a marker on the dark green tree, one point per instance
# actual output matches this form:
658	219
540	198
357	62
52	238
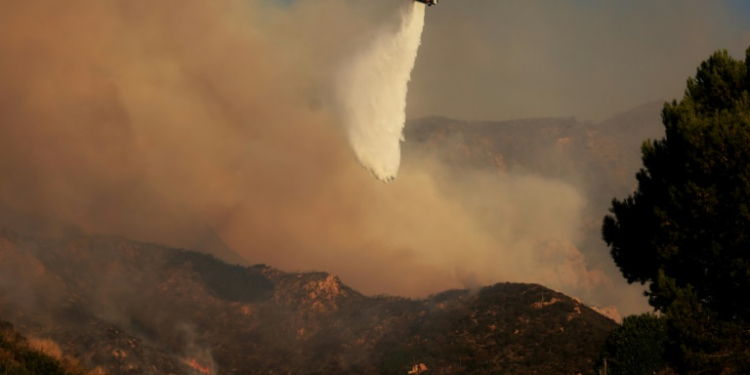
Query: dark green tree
686	230
636	347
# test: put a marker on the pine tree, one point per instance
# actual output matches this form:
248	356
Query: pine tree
635	347
685	231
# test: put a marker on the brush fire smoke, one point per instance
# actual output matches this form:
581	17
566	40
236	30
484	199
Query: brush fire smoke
154	120
371	92
174	116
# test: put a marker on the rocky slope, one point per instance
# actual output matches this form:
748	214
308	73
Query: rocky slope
20	356
136	308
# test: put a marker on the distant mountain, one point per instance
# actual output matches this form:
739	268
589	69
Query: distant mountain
136	308
604	156
601	159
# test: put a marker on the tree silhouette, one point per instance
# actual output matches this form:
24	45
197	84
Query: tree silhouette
685	231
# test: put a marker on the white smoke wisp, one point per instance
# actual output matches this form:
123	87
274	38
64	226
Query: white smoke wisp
371	93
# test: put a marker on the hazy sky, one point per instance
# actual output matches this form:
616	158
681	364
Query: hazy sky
493	60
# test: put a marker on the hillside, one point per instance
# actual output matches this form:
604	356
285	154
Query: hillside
136	308
20	356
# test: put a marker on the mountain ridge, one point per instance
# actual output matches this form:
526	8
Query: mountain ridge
136	308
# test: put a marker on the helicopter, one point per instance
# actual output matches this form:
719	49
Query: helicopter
428	2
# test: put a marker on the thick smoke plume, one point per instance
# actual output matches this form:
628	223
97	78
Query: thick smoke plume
371	92
156	121
177	121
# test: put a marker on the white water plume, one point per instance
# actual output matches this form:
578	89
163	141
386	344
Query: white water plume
372	91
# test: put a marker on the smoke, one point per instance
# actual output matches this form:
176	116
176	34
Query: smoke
372	88
156	120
